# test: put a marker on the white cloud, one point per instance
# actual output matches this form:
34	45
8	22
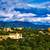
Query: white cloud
17	16
25	15
48	15
5	14
11	14
36	19
33	5
10	5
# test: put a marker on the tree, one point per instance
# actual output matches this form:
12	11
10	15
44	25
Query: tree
2	47
12	47
25	48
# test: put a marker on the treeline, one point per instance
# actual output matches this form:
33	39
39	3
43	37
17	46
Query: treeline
32	40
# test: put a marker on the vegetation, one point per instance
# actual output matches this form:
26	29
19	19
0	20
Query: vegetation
32	40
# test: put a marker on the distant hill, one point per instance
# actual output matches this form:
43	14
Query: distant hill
15	24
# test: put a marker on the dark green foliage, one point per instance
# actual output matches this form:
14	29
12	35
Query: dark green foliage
2	47
12	47
36	40
32	40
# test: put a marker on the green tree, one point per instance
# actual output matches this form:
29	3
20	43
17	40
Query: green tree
12	47
2	47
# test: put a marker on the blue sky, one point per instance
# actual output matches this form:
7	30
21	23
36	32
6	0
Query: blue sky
35	1
8	12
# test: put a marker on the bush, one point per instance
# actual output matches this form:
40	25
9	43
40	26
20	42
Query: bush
13	47
25	48
2	47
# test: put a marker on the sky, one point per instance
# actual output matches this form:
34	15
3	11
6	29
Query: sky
25	10
35	1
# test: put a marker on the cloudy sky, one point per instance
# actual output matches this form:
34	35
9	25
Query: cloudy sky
25	10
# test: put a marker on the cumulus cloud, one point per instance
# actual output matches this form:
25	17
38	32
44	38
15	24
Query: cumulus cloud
7	10
18	16
29	19
35	19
